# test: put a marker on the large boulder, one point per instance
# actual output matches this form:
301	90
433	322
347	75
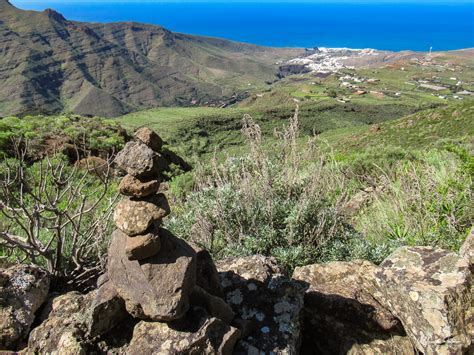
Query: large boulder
23	289
134	187
64	329
157	288
341	314
429	290
197	333
267	305
134	216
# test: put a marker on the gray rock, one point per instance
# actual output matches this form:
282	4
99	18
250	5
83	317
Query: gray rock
429	290
142	246
341	312
159	287
150	138
137	159
195	334
23	289
64	329
267	304
134	216
134	187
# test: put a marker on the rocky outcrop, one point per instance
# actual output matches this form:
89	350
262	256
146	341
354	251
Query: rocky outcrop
341	314
429	290
23	289
268	305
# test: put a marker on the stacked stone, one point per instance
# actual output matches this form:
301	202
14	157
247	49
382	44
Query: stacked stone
141	211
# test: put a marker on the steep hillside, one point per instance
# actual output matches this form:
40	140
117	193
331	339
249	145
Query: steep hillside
50	64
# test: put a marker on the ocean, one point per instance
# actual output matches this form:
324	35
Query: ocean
389	26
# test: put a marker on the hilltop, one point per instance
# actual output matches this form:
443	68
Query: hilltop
50	64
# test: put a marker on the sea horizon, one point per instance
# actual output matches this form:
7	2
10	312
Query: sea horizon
388	26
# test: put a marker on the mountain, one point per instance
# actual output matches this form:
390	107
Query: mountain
49	64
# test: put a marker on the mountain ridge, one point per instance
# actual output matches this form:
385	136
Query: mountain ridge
50	64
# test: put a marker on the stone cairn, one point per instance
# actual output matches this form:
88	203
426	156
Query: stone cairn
161	278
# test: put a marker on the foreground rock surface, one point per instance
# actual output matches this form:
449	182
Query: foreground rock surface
429	290
342	316
196	333
156	288
23	289
267	305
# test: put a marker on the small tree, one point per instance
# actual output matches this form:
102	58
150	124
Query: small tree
55	215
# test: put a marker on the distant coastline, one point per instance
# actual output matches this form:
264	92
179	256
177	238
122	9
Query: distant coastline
385	27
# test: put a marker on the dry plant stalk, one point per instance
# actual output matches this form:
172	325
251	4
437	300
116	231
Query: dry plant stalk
49	212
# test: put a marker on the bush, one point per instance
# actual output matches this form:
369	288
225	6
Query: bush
273	204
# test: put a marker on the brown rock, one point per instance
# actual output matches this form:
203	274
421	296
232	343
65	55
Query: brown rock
134	187
215	306
150	138
467	250
142	246
340	310
107	310
138	160
195	334
429	290
396	345
134	216
23	289
207	276
159	287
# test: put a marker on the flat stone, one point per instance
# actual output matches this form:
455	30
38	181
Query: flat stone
429	290
196	333
134	216
142	246
134	187
150	138
340	311
157	288
268	305
23	289
137	159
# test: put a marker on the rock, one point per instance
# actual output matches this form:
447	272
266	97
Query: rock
64	330
429	290
267	304
207	276
95	165
195	334
107	310
150	138
159	287
135	216
394	345
134	187
138	160
142	246
215	306
467	250
23	289
340	311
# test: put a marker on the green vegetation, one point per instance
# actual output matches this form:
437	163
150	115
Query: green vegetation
301	202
